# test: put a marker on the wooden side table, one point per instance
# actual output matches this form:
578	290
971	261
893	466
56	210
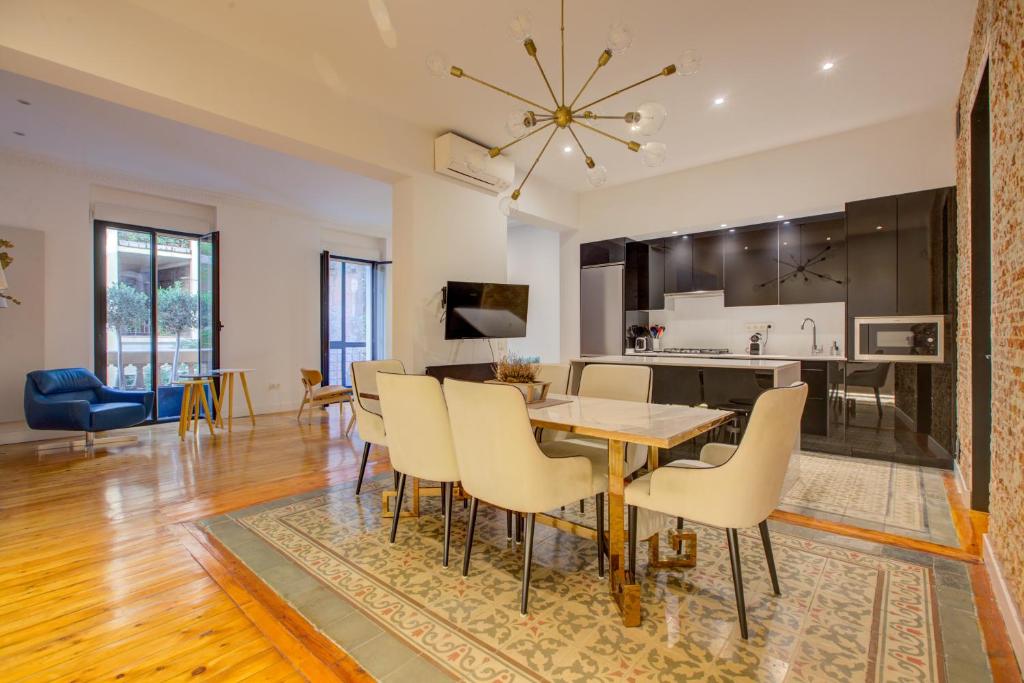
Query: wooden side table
192	399
227	394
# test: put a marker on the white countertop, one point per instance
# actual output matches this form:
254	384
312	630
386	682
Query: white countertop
693	361
743	356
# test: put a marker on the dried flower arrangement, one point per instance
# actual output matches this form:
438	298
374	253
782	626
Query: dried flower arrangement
5	261
514	369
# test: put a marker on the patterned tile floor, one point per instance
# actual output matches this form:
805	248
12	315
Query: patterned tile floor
907	500
850	610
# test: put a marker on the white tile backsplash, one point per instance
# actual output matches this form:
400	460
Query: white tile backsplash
704	321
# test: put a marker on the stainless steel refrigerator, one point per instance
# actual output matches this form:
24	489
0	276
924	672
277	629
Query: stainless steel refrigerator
602	310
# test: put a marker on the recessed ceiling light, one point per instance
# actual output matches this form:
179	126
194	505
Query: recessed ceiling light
567	149
879	227
732	229
686	237
719	101
827	66
19	133
780	217
724	225
675	232
25	102
785	222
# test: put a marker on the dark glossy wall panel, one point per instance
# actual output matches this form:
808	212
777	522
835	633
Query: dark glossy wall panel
871	257
602	252
751	266
708	261
921	248
678	264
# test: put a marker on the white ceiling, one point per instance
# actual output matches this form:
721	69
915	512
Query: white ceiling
892	58
82	130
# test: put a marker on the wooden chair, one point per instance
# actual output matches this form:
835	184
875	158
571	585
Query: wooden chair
316	395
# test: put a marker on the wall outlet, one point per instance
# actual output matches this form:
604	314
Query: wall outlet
758	327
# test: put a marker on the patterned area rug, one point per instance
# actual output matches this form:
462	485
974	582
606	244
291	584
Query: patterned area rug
874	491
843	615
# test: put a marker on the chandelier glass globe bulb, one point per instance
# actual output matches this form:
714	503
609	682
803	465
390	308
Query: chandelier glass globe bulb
598	175
507	205
520	26
652	118
438	65
620	37
519	123
688	62
653	153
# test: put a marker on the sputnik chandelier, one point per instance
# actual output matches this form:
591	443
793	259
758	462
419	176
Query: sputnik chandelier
647	119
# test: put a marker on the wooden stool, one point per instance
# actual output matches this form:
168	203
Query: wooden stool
192	399
227	393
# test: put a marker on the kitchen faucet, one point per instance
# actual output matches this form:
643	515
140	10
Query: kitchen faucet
814	335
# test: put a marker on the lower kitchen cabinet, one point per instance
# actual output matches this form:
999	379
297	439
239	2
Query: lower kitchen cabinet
815	418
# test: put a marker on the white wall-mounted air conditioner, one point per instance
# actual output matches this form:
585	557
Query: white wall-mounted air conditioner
469	162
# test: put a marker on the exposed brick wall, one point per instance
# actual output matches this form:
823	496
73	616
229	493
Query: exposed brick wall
999	38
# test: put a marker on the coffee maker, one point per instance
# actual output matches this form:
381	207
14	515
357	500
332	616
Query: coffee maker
638	338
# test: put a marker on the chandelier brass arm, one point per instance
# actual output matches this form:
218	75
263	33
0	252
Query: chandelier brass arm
495	151
531	49
631	144
459	73
605	57
515	193
587	159
667	71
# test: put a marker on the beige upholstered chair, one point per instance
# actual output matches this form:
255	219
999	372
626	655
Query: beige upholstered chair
419	439
734	487
619	382
368	415
501	464
315	395
557	374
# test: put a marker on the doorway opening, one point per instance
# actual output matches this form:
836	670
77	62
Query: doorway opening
981	298
156	312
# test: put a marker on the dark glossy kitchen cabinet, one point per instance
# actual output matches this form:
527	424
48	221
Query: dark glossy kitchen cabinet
871	257
922	219
708	261
678	264
815	418
751	266
812	260
645	275
603	252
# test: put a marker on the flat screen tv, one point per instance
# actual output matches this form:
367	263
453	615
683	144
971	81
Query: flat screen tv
485	310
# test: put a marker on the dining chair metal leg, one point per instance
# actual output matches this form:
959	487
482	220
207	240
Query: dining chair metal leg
362	467
519	528
583	509
679	523
768	555
878	402
599	504
631	531
508	525
447	496
400	487
396	479
469	536
527	561
737	578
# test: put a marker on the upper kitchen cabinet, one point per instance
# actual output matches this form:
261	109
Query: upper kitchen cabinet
812	260
645	275
871	257
751	266
923	218
603	252
678	264
708	261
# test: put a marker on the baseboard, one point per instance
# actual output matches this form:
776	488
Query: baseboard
936	448
1004	600
908	421
961	485
19	432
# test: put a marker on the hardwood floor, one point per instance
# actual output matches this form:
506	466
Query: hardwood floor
100	577
95	580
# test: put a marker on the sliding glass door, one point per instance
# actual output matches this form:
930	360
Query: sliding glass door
155	309
353	294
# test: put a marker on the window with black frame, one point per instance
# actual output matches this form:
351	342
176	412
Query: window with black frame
353	295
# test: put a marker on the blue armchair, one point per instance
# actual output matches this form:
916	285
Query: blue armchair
74	399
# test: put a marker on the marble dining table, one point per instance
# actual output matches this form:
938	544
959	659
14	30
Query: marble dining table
655	425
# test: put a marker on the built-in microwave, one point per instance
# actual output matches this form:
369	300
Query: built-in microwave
904	339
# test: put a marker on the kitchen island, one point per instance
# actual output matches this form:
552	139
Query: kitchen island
782	372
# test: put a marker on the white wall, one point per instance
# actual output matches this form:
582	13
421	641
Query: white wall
22	329
269	266
533	259
443	230
705	322
817	176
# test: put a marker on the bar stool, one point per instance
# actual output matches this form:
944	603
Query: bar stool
227	394
193	398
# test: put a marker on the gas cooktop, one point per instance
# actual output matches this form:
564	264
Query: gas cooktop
702	352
